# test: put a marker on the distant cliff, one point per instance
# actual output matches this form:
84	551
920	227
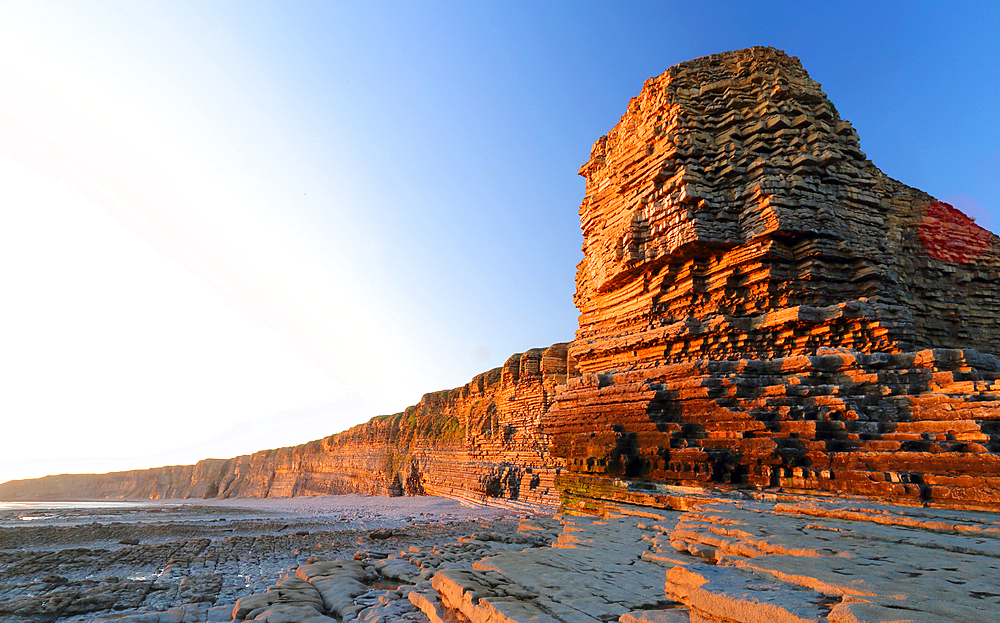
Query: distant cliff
478	442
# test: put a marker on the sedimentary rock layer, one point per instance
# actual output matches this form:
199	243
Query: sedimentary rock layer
731	214
480	441
760	306
920	426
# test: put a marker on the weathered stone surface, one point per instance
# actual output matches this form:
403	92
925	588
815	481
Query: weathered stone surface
760	306
727	558
655	616
196	563
869	562
920	426
731	215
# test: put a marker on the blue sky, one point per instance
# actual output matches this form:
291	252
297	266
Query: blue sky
234	226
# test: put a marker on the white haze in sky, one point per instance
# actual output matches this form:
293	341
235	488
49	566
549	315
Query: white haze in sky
155	310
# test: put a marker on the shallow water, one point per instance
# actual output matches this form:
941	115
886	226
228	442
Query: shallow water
26	513
69	505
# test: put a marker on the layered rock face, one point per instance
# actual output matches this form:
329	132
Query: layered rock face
732	214
479	442
761	306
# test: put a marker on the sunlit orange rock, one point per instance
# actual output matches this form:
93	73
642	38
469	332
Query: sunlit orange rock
761	306
731	213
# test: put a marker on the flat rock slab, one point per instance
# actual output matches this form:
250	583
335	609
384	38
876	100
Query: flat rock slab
835	561
656	616
725	559
740	559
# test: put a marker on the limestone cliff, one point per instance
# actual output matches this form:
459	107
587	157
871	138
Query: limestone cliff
731	214
479	442
761	306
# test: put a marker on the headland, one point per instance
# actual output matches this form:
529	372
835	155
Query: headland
783	398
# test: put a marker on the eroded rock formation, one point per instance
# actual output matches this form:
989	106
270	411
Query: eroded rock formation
731	214
761	306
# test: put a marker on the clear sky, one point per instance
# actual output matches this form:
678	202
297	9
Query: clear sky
231	226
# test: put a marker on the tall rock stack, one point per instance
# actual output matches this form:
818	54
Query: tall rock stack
761	306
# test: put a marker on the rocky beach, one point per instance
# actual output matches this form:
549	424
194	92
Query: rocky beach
85	560
727	557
